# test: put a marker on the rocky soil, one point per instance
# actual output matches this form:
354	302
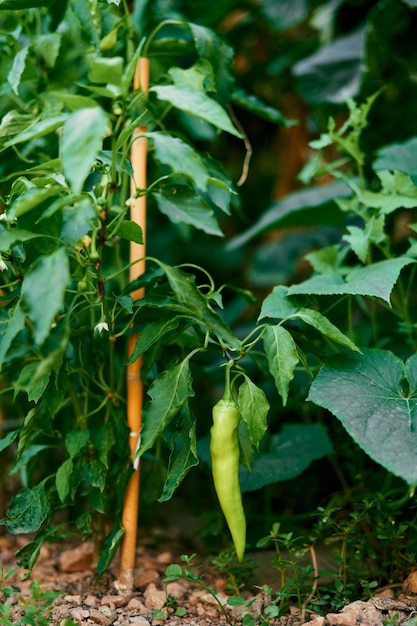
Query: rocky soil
68	569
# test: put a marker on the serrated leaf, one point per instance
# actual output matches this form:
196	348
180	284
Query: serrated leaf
43	290
82	139
183	453
376	280
253	407
12	321
398	191
374	395
281	353
63	479
289	454
198	104
183	206
180	157
27	511
168	393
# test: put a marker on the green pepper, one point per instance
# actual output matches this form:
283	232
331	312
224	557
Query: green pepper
224	451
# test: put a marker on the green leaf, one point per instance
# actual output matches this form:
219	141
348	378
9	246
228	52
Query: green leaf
130	231
32	198
374	395
281	353
398	191
16	71
6	441
28	555
198	77
106	70
96	473
334	72
213	48
360	239
180	157
277	305
151	334
47	46
9	237
77	220
255	105
43	290
284	14
12	321
28	431
183	206
75	441
168	393
74	101
31	452
103	441
183	453
19	5
27	511
82	139
289	454
306	207
327	260
376	280
39	129
398	156
325	327
190	296
63	479
198	104
33	385
109	549
253	407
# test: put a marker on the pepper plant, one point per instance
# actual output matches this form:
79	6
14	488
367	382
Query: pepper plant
67	309
68	114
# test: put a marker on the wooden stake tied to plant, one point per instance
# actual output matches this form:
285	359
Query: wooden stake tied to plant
134	383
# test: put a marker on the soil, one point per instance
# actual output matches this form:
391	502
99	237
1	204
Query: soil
68	568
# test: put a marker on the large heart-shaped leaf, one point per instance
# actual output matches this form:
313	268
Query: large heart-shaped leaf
289	454
375	397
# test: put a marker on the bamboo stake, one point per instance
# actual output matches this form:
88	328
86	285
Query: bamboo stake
134	383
